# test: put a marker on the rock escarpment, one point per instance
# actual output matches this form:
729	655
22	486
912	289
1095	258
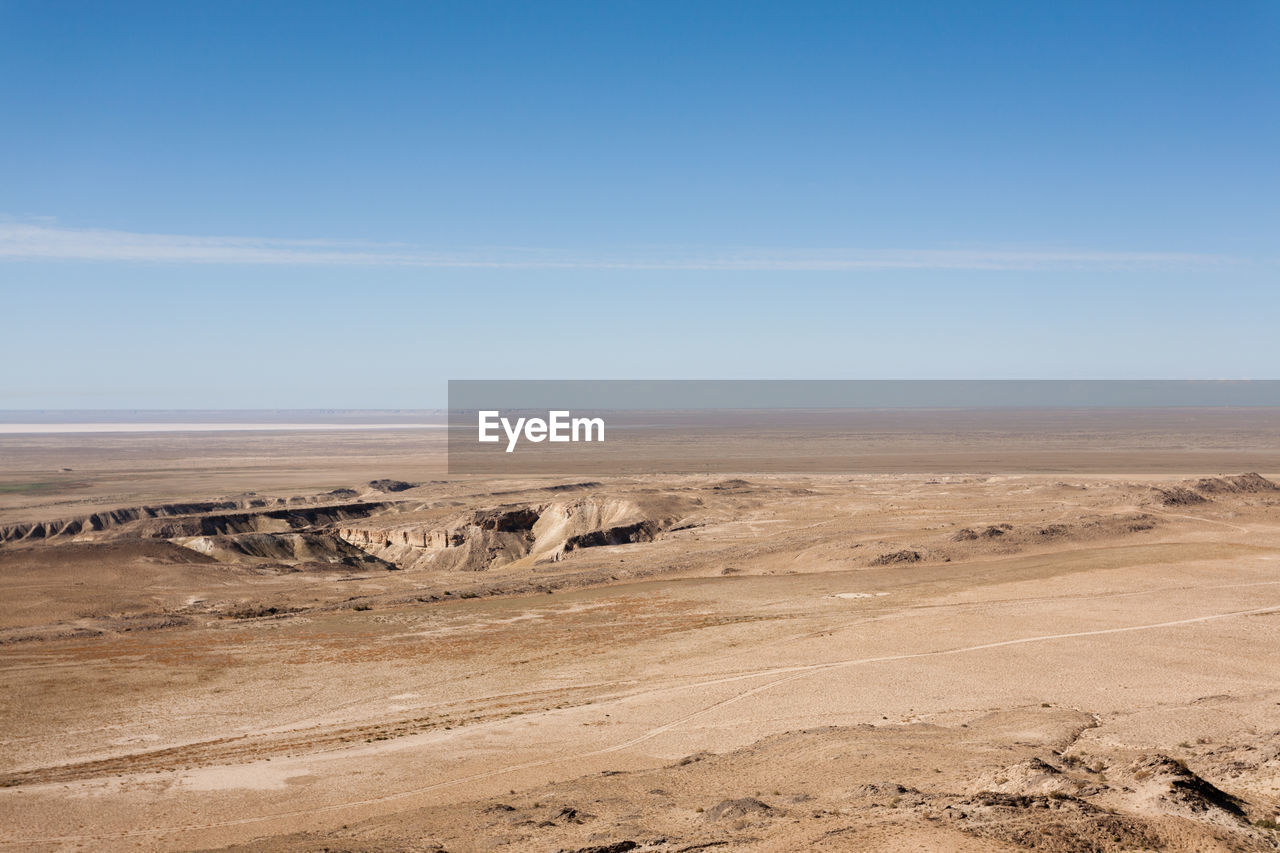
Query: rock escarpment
499	536
207	518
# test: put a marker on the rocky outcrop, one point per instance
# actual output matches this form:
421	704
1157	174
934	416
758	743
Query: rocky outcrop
108	519
474	541
212	518
391	485
1239	484
269	521
1206	489
293	549
1179	496
1170	786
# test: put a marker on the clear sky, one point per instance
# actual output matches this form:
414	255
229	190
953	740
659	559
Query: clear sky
284	205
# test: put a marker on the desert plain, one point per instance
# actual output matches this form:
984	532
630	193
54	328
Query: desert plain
289	641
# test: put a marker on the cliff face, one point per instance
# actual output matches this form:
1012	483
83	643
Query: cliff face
373	533
483	539
167	521
294	549
106	519
564	527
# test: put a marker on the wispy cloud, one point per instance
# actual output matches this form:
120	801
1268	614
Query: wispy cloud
36	241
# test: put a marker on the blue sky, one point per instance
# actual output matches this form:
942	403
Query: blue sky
344	205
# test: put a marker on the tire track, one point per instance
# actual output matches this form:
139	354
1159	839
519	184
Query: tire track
784	675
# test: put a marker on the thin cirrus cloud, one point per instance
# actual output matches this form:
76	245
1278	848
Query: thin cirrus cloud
40	242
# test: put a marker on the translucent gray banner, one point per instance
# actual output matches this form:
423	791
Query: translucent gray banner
605	428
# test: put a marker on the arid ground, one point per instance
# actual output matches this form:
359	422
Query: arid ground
309	641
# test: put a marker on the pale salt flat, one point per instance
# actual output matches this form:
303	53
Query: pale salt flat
22	429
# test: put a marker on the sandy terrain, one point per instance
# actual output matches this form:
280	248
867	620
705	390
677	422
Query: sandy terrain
321	641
